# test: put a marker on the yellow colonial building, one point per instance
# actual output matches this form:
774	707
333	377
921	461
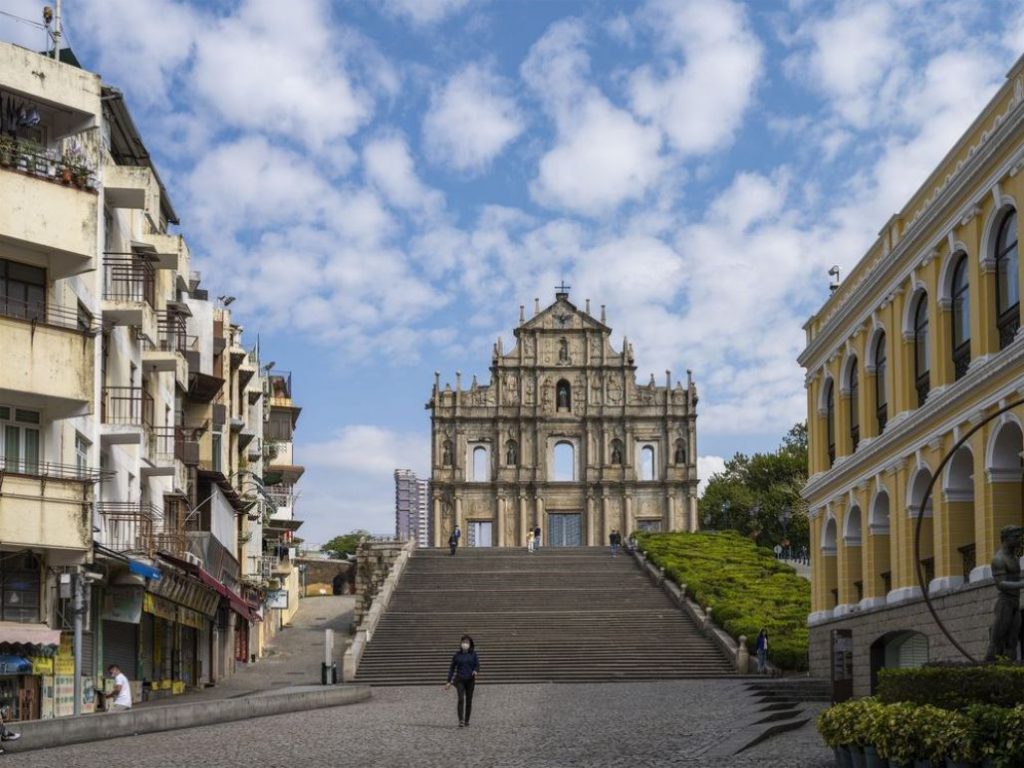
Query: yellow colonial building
919	345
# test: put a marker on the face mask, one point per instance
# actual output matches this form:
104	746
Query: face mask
465	646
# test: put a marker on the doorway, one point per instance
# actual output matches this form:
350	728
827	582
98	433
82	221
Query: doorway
480	534
565	529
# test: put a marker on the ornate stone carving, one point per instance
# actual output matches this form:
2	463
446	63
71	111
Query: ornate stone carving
614	390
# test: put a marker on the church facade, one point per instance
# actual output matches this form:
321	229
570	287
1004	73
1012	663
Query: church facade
562	438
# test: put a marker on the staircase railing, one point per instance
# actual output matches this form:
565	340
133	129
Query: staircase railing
364	633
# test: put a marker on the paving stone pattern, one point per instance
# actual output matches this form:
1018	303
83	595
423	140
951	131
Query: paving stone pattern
541	726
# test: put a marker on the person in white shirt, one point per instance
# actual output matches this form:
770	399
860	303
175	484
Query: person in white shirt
122	694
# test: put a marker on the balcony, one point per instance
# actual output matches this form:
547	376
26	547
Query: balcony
129	291
168	252
128	526
169	453
1008	324
47	358
167	353
923	387
124	413
130	186
961	360
46	505
43	214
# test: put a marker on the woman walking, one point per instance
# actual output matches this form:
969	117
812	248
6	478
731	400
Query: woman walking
762	651
462	673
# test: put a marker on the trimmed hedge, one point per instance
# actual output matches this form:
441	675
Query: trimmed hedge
745	586
905	732
1000	685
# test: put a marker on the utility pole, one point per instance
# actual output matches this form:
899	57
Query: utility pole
78	609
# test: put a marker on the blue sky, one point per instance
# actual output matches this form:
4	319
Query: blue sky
382	184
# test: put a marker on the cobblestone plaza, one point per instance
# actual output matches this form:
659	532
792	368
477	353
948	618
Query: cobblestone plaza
624	724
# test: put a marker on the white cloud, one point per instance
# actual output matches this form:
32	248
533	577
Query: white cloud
389	167
707	467
279	69
426	12
471	119
698	92
349	481
602	157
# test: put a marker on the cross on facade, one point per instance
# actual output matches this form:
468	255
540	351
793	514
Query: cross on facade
563	288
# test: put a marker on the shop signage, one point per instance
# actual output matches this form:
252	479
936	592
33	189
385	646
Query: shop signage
122	604
187	592
157	606
278	598
189	618
41	665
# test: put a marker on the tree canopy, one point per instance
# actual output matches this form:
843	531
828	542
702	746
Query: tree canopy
752	492
346	544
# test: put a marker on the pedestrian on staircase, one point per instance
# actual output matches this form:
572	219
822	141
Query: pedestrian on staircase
536	538
762	651
453	540
529	542
462	674
615	540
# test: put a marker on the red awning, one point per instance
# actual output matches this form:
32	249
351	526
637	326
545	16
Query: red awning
235	601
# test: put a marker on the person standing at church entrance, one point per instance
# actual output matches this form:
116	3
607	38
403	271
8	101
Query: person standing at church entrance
453	540
530	542
536	538
462	674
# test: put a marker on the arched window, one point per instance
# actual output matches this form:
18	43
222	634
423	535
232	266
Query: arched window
481	465
647	463
881	397
921	362
830	421
616	452
565	462
854	405
563	395
1007	280
960	295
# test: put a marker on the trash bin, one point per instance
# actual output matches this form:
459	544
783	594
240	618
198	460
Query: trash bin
328	674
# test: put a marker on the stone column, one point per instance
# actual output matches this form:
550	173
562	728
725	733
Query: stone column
627	525
499	522
589	540
541	522
458	519
670	512
602	529
437	522
523	522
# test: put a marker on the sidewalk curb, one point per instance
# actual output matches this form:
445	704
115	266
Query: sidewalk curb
41	734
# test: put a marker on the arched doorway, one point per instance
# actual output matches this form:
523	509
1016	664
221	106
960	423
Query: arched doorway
915	496
879	572
956	524
830	587
1003	489
903	649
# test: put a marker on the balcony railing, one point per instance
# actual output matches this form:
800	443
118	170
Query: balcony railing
167	444
1008	325
854	437
961	360
70	165
968	559
923	386
128	406
49	470
47	314
173	333
127	525
882	415
129	279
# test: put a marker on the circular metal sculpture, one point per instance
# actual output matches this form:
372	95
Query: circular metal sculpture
919	567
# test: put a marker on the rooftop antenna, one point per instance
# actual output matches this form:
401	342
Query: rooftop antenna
833	283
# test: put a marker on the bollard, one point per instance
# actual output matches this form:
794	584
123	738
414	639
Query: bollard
328	670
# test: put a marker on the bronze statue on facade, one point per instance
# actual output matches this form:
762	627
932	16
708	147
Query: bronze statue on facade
1006	574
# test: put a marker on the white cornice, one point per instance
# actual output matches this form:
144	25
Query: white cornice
920	225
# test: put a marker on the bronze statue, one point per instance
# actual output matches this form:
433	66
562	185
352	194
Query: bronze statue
1006	574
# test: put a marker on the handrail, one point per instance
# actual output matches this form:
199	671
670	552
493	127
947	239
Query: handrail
45	313
50	470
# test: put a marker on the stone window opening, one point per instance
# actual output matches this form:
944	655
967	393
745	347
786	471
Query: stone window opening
881	396
564	461
481	464
961	318
647	463
854	386
830	422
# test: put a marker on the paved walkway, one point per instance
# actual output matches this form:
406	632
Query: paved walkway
293	659
514	726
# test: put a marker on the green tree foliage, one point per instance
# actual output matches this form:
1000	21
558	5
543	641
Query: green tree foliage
345	545
752	492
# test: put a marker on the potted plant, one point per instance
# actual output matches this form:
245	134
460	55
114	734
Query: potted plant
67	168
23	154
81	176
51	164
7	149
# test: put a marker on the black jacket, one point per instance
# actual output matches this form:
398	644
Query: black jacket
464	664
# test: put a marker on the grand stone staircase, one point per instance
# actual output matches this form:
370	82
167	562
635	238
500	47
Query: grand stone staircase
559	615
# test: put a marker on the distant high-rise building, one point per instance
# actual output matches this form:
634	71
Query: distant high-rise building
412	520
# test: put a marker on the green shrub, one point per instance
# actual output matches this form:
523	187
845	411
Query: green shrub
745	586
905	731
998	685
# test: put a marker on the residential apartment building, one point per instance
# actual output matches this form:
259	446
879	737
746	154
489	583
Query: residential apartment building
919	347
412	507
132	416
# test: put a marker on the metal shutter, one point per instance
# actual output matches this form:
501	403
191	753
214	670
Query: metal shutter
120	646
